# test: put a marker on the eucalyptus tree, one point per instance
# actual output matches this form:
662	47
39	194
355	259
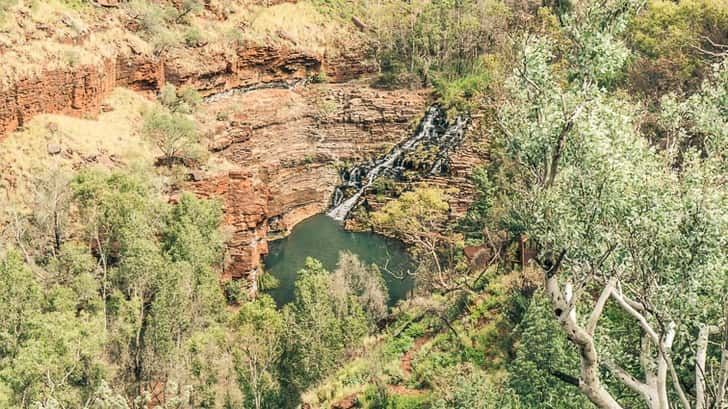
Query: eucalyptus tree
51	345
352	277
626	234
159	285
258	332
321	328
420	218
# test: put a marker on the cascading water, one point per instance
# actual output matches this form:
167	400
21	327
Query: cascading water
449	140
340	211
363	176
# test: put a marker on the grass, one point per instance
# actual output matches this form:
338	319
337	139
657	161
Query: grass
42	34
112	139
300	22
479	339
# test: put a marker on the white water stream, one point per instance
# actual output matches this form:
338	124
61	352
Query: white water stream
428	131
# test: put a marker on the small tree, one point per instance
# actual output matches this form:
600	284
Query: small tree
183	101
258	331
320	328
420	218
352	277
174	134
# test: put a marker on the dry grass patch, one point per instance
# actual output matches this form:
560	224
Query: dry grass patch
299	23
113	139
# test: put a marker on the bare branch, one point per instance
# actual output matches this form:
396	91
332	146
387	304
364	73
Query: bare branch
629	380
596	313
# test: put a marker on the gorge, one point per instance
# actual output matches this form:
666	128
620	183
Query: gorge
279	140
374	204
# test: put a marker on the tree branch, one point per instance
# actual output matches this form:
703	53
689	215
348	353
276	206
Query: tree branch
596	313
701	400
629	380
571	380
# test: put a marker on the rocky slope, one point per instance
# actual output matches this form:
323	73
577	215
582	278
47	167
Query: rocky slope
79	91
67	60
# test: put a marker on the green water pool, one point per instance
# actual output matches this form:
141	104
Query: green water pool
323	238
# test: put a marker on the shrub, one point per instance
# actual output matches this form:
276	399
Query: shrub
319	77
194	37
666	35
465	387
155	21
183	101
459	91
267	281
234	292
186	9
174	134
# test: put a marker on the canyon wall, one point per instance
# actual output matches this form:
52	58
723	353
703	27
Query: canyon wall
284	144
287	146
79	91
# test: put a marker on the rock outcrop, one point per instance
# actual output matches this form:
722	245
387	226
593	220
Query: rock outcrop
78	91
73	92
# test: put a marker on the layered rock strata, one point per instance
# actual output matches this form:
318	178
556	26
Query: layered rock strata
287	145
79	91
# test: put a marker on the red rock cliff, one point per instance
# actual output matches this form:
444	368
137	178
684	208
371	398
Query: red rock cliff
79	90
286	144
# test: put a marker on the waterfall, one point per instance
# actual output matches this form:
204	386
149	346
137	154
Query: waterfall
362	177
338	197
449	140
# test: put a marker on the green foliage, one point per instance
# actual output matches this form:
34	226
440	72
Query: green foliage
352	278
267	281
469	388
375	396
418	217
191	231
184	101
668	36
604	208
322	326
442	40
542	354
159	22
397	346
407	402
44	339
235	292
19	300
457	92
174	134
385	185
412	211
154	20
319	78
597	51
479	212
259	329
194	37
157	262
